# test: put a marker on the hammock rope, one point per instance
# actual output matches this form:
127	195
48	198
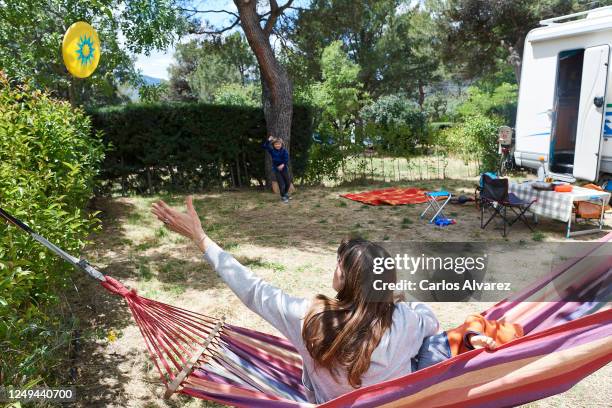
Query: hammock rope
567	319
176	338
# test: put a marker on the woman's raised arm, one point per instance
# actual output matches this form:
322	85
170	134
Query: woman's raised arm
281	310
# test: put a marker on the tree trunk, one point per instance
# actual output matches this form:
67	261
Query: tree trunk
515	61
277	92
72	92
514	58
421	95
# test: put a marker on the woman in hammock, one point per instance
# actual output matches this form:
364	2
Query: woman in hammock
361	337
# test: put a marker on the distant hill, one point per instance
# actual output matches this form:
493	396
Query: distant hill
149	80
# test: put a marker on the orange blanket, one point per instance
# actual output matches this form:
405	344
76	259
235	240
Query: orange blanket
389	196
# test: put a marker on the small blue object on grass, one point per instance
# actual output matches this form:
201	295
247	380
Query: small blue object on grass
443	222
434	205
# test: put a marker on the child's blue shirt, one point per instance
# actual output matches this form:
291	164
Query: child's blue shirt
280	156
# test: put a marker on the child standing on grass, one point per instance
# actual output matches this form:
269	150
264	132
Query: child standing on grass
280	161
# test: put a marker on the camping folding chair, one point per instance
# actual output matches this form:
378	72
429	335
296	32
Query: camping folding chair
435	205
495	198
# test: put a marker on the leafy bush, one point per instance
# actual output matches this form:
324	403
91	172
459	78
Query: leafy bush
190	146
500	102
396	124
239	95
153	92
324	160
48	163
474	138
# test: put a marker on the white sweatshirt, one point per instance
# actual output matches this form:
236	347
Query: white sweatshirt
412	322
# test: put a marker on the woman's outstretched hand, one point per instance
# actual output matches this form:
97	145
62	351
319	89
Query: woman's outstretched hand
185	223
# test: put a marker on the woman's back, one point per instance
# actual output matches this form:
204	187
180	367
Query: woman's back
391	358
411	323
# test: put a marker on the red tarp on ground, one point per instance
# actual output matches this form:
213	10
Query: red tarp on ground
389	196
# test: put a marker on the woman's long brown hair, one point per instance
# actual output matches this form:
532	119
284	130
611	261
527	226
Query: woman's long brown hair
342	332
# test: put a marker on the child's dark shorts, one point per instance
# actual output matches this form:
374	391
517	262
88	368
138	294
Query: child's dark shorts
434	350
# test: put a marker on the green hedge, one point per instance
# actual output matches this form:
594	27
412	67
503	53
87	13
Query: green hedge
190	146
48	164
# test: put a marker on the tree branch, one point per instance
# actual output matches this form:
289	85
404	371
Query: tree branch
216	32
275	11
282	39
196	11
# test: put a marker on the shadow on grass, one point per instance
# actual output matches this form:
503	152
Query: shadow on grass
101	313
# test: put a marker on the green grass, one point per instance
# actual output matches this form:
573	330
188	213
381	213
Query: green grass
143	246
230	245
173	270
134	218
175	289
306	268
359	233
144	271
538	236
258	263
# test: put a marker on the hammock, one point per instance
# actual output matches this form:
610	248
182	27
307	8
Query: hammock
565	341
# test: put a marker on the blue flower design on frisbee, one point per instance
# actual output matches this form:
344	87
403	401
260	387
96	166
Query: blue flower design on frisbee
85	50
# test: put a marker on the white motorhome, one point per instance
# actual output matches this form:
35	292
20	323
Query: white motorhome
564	114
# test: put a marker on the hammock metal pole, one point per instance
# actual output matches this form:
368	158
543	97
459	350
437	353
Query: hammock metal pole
79	263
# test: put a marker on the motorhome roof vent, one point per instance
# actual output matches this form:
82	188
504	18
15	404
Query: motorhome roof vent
594	13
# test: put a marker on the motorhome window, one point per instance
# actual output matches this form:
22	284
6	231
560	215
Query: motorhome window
567	101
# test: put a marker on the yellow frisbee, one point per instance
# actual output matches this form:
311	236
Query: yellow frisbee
81	49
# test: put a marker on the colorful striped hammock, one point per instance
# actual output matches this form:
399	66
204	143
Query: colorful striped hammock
565	341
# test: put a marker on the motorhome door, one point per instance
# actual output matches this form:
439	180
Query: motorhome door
591	112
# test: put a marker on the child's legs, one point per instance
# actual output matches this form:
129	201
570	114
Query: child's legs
287	181
282	185
434	350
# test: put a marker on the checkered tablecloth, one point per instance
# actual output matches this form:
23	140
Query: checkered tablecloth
552	204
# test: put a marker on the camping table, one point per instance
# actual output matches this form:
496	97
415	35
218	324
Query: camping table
559	206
